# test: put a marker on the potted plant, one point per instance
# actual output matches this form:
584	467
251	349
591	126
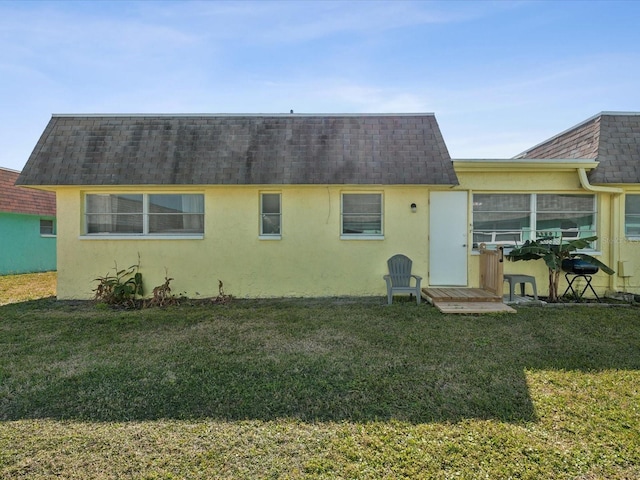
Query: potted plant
553	250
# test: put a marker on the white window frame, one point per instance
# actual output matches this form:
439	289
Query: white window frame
145	234
361	236
263	215
533	231
53	227
633	236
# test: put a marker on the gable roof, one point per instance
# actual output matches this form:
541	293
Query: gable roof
24	200
240	149
611	138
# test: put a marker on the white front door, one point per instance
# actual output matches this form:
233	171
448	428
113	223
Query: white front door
448	238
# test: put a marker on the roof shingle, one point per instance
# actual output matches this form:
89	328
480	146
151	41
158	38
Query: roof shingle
612	138
24	200
240	149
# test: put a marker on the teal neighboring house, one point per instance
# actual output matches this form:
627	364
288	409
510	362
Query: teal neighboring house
27	227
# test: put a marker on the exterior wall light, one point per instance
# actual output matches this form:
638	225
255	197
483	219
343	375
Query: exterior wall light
413	207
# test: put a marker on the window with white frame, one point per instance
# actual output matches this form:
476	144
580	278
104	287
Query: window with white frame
361	214
510	219
270	215
47	227
632	216
144	214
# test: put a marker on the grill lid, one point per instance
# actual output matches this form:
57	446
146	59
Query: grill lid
578	266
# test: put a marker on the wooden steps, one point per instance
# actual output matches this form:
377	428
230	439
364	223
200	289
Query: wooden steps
473	307
486	299
465	300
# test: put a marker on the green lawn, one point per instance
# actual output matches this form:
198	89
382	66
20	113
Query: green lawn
33	286
317	389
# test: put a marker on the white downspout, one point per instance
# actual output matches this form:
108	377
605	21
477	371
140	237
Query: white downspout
584	181
614	222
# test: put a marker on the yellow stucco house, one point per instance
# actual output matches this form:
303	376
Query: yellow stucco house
314	205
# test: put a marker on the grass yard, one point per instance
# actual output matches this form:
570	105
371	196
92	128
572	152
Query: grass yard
316	389
32	286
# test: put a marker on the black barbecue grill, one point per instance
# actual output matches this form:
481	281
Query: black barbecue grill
577	268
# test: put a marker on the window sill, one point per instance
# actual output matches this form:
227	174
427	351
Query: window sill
361	237
141	237
269	237
48	235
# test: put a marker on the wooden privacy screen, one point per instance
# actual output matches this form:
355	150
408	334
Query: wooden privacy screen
491	269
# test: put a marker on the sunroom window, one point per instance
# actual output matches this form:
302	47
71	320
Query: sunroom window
632	216
568	216
144	214
511	219
500	219
361	214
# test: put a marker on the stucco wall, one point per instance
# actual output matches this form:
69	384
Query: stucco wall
629	249
309	260
22	248
630	254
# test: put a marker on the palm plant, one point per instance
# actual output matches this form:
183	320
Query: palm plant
553	252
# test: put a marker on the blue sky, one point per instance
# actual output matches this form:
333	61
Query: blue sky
500	76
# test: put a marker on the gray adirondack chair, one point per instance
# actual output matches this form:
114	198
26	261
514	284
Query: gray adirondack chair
399	278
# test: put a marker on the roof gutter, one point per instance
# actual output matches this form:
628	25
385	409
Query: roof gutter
584	181
524	165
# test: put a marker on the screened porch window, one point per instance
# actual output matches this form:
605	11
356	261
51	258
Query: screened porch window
632	216
361	214
144	214
500	219
511	219
569	216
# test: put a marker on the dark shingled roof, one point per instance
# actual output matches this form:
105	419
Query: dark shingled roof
24	200
612	138
240	149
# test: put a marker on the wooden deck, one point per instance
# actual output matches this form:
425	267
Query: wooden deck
465	300
460	295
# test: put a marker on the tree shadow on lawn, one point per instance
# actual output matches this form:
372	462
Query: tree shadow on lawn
445	368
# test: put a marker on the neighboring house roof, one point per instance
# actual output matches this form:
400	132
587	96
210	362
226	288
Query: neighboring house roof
24	200
612	138
240	149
